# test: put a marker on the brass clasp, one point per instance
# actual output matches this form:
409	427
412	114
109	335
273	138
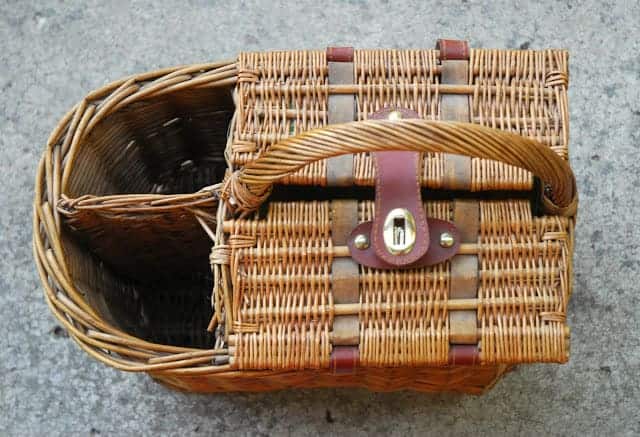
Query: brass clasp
399	231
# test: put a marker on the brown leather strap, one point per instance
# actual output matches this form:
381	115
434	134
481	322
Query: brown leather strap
345	288
466	216
464	355
341	109
344	218
344	359
463	325
435	255
340	54
464	268
346	330
452	49
344	280
464	277
454	65
398	186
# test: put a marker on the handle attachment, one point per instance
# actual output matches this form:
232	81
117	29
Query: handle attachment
247	188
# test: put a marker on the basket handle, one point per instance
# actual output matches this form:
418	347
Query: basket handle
248	187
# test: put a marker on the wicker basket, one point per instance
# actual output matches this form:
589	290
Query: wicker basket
196	222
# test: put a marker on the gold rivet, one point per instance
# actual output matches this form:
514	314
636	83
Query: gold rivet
446	240
361	241
394	115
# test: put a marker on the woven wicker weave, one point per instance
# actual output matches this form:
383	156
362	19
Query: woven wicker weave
154	190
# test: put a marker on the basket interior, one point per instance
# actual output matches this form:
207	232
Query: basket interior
169	144
148	273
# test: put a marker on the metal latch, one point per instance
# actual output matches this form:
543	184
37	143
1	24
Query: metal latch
399	231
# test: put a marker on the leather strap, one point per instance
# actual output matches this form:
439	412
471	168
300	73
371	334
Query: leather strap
345	287
452	49
339	54
454	65
463	325
344	218
435	255
344	280
464	355
398	186
346	330
341	109
344	359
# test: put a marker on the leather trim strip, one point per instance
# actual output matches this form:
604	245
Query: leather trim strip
452	49
463	325
344	359
345	280
340	54
344	218
464	355
341	109
454	66
346	330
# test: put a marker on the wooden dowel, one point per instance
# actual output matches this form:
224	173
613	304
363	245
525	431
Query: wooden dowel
270	88
233	339
280	136
356	308
340	251
295	113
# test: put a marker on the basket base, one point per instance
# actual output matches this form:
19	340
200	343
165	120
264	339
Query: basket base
463	379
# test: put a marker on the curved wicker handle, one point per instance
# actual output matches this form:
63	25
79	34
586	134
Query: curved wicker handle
252	184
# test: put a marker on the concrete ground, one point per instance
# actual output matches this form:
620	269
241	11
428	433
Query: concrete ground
53	53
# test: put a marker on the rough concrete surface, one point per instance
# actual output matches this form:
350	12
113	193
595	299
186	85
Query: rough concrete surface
53	53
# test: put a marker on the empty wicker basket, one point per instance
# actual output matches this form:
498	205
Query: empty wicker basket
217	225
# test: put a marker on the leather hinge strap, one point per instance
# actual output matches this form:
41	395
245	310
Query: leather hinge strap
345	289
345	331
464	276
463	325
454	65
341	109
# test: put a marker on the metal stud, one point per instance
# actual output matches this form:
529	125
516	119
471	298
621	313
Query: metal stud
361	241
446	240
394	115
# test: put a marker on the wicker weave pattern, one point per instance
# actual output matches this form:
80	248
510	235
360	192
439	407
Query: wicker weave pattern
281	94
281	276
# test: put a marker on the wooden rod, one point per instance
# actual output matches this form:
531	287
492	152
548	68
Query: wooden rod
345	309
280	136
301	112
269	88
233	340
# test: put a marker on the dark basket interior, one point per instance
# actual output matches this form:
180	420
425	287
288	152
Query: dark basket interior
150	275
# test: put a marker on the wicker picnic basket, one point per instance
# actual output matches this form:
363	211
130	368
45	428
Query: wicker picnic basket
393	219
